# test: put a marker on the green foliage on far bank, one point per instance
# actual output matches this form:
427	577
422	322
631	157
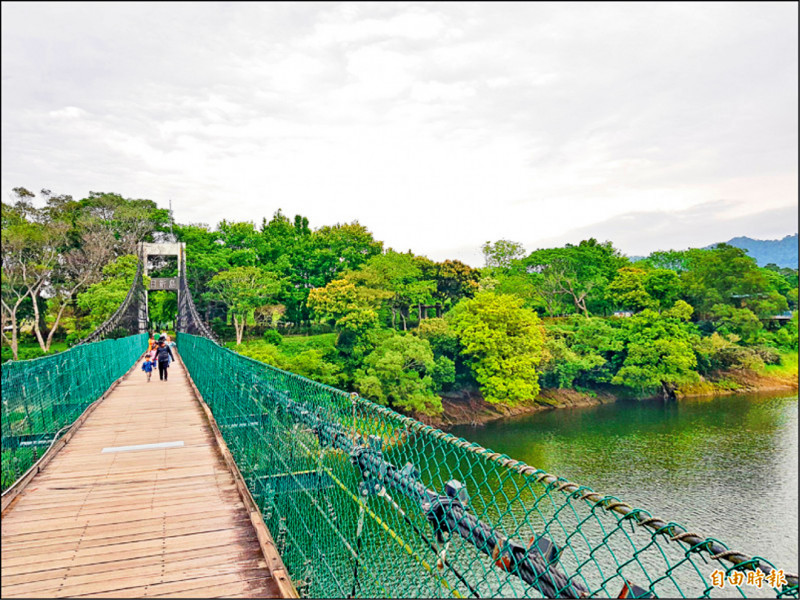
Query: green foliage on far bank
401	328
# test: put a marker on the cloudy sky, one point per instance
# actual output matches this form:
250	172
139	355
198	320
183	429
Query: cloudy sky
438	126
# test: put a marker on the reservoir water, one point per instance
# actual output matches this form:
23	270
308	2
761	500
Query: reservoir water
725	467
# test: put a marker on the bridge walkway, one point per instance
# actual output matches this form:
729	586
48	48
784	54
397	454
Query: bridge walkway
139	503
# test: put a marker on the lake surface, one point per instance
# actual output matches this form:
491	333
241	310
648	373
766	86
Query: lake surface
724	467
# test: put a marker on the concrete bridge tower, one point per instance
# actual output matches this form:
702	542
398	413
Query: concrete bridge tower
146	250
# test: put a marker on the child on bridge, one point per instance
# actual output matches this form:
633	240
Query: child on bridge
147	366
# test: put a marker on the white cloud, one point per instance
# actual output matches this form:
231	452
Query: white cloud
68	112
439	126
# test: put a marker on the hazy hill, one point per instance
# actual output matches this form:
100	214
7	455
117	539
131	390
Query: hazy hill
781	252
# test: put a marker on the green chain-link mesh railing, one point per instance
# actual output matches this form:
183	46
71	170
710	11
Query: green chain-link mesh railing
362	501
44	395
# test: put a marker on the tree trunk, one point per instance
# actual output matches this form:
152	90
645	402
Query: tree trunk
55	326
12	320
394	317
402	316
36	320
239	328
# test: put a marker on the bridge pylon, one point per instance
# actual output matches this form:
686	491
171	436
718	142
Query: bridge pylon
148	249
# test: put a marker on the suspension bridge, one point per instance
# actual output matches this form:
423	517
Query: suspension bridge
238	479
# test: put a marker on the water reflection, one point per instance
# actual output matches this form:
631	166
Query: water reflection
725	467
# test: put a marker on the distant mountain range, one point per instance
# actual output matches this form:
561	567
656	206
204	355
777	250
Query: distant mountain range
780	252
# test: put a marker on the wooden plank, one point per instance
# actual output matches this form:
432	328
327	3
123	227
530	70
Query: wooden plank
11	495
111	528
223	559
190	587
117	535
160	521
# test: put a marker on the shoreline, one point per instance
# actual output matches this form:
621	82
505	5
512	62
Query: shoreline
468	407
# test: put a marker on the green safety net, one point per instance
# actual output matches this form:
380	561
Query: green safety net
365	502
44	395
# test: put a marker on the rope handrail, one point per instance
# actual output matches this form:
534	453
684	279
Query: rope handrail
499	527
193	316
111	323
43	395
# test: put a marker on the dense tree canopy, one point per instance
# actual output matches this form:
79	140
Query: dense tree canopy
503	342
401	328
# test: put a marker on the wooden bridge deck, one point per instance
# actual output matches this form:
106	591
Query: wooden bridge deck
106	520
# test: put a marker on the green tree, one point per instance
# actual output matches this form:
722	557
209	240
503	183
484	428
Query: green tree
206	255
659	349
500	254
663	286
242	290
627	290
454	281
162	308
579	273
564	365
741	322
352	309
101	299
503	342
399	372
313	364
671	260
400	278
441	337
722	275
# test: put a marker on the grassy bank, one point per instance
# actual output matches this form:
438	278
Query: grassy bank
782	376
31	350
311	356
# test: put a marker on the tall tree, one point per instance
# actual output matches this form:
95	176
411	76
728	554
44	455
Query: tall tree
243	289
500	254
628	290
579	273
503	342
400	274
659	351
399	372
352	309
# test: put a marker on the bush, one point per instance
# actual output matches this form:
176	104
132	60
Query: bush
29	353
271	336
26	337
718	353
222	329
736	357
76	336
442	339
770	356
312	364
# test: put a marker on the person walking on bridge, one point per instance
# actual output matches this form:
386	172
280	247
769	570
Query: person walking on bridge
164	355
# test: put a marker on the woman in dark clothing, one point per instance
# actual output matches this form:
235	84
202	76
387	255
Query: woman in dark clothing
163	354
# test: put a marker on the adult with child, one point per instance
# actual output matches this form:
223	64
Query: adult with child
164	356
